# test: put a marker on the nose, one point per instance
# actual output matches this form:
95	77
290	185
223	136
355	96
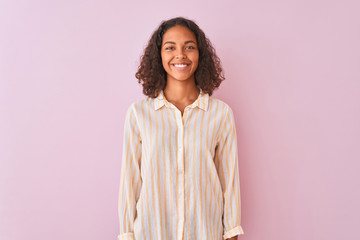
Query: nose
180	54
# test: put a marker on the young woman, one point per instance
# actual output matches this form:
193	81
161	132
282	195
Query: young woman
179	172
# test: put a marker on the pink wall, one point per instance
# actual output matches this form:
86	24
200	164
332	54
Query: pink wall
67	76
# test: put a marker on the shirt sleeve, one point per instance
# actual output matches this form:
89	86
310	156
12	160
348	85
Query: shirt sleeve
226	160
130	178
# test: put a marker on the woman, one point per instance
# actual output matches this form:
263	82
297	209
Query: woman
179	173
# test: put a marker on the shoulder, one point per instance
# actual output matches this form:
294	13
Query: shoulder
219	105
140	104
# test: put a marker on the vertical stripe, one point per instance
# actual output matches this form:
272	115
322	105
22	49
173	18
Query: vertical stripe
158	163
152	190
192	146
206	201
170	171
212	144
211	186
143	162
177	176
228	172
187	162
201	158
127	168
165	163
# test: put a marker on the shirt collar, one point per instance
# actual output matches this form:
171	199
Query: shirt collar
202	101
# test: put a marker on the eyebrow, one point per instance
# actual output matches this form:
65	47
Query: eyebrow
169	42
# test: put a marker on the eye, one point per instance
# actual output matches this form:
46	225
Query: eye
169	48
190	47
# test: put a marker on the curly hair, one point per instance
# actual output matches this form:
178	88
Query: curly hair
151	73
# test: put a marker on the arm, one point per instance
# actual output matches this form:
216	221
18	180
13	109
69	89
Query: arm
130	180
226	160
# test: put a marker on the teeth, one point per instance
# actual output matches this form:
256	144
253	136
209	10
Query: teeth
180	65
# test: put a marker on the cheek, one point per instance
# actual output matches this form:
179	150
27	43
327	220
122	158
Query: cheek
196	60
164	60
195	56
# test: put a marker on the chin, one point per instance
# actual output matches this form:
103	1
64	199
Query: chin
181	78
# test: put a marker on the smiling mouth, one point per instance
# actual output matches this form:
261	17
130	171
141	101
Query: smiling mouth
180	66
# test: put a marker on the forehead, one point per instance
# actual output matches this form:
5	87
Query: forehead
179	33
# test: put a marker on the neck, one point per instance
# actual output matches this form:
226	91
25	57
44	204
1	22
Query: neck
176	91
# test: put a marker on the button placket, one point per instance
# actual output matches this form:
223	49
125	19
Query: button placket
180	172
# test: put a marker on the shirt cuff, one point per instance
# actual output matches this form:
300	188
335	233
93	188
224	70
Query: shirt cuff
126	236
233	232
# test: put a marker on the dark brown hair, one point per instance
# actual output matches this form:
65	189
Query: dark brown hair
151	73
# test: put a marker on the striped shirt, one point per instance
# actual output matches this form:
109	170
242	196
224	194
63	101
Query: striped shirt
179	173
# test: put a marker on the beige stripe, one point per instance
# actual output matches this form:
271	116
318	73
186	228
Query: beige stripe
157	164
201	155
207	212
137	180
195	227
127	160
225	174
186	160
212	145
170	161
222	122
193	144
164	163
177	175
218	134
237	188
211	219
217	160
229	173
129	163
214	132
156	227
234	167
235	185
145	187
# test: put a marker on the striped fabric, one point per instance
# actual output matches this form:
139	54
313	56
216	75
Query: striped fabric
179	173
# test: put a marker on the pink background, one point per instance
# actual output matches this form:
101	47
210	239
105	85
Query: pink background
293	81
